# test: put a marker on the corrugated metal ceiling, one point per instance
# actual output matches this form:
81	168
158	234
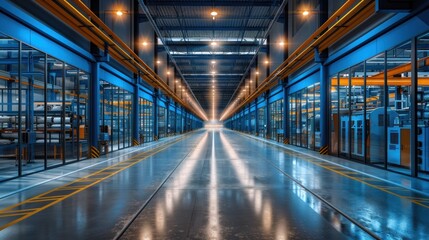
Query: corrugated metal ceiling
189	23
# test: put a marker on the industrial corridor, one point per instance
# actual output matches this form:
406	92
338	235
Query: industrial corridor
214	184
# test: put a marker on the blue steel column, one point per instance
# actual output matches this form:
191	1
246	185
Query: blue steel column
267	115
324	110
135	113
249	119
175	118
167	118
135	130
285	114
324	87
155	114
256	118
94	111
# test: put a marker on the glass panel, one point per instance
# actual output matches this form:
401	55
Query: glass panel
106	116
375	110
344	113
310	116
71	122
316	122
261	122
304	114
9	55
128	98
115	124
148	121
334	123
399	123
298	119
423	107
253	122
55	112
82	121
161	121
179	123
33	85
292	108
357	118
171	123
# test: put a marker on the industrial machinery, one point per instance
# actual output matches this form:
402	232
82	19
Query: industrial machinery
376	129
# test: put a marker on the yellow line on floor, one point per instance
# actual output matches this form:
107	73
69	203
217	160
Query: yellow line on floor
339	170
343	171
91	182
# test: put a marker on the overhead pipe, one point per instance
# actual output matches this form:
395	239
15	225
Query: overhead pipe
101	35
329	33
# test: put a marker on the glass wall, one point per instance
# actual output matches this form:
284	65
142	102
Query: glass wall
276	120
42	110
171	127
162	117
115	123
423	106
261	121
371	110
246	118
304	110
253	122
399	90
376	110
179	123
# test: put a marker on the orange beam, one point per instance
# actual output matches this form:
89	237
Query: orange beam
118	49
379	81
326	35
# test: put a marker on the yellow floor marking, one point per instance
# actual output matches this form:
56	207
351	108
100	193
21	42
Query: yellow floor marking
92	182
336	169
381	188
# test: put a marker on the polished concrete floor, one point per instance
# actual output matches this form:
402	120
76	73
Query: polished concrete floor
214	184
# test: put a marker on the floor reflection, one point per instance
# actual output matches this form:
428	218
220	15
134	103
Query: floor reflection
172	197
262	207
213	218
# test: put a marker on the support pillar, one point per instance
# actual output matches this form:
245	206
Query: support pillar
324	110
155	115
267	116
94	111
135	130
285	114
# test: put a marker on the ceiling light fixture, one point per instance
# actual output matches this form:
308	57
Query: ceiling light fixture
145	43
305	13
213	44
213	62
214	14
119	13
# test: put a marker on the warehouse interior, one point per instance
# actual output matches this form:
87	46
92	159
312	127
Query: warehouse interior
345	80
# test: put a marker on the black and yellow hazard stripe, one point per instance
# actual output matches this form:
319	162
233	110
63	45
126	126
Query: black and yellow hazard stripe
324	150
94	152
136	142
286	141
